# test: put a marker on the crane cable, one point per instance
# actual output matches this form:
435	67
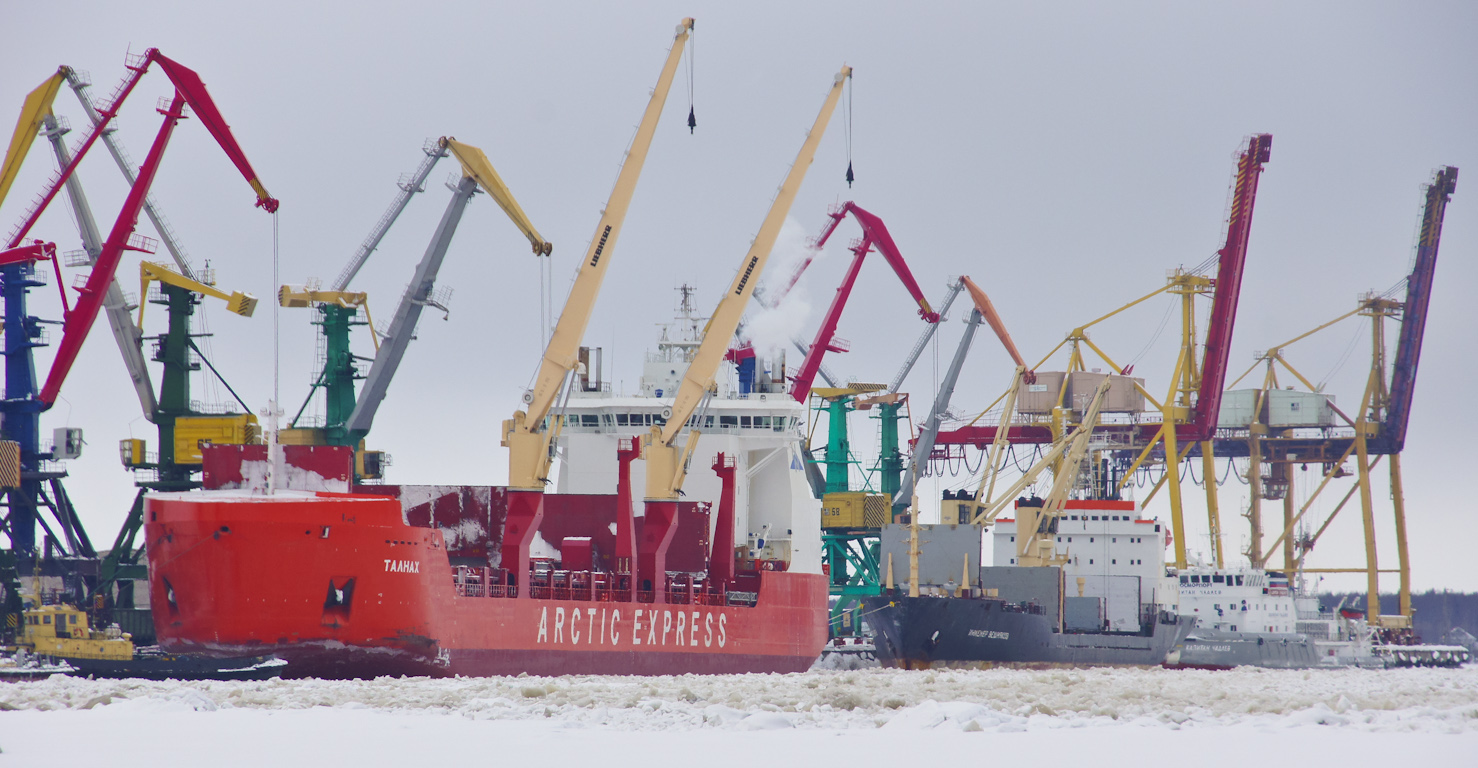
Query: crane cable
692	117
848	134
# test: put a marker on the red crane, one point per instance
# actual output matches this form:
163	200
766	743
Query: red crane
1228	288
189	89
874	233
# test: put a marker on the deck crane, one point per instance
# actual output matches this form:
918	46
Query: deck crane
875	233
1035	523
526	435
667	460
24	403
477	172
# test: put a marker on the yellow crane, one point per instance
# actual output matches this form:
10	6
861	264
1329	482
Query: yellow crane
243	304
667	462
33	111
525	435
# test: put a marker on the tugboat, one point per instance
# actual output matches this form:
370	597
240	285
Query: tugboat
61	635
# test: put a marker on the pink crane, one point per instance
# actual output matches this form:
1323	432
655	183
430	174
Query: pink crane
874	233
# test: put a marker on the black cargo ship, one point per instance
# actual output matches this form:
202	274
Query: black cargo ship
925	632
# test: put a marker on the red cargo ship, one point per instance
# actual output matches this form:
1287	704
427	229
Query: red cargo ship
361	585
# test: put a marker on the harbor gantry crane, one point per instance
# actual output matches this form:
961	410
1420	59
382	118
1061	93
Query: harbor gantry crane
529	434
1192	404
349	418
1270	425
24	403
667	461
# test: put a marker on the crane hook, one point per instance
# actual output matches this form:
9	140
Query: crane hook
850	177
692	120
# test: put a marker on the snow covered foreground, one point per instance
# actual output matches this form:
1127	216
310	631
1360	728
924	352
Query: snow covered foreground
1107	716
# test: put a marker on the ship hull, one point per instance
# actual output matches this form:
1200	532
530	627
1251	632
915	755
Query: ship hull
1220	649
339	586
929	632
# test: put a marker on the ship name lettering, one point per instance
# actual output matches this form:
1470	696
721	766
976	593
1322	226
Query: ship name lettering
990	634
682	626
595	259
402	566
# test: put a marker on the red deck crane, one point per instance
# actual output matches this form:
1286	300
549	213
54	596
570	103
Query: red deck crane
874	233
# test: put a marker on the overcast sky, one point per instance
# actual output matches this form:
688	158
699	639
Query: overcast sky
1064	158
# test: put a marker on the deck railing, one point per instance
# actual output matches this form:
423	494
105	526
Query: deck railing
596	586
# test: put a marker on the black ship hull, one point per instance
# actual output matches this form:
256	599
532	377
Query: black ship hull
929	632
148	665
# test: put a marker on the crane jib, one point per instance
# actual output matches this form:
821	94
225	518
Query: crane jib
595	258
749	270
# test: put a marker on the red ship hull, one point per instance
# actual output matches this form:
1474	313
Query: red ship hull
340	585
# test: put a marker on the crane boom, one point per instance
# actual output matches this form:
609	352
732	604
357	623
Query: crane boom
930	428
79	85
665	472
115	303
478	172
875	233
435	150
524	435
918	347
475	164
1233	256
408	314
189	89
243	304
34	110
699	377
1414	313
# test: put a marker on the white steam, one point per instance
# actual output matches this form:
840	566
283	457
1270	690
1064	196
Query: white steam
770	329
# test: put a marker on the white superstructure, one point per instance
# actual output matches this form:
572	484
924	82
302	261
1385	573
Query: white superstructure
761	430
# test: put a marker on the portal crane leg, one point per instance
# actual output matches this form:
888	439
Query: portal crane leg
1398	502
1213	514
